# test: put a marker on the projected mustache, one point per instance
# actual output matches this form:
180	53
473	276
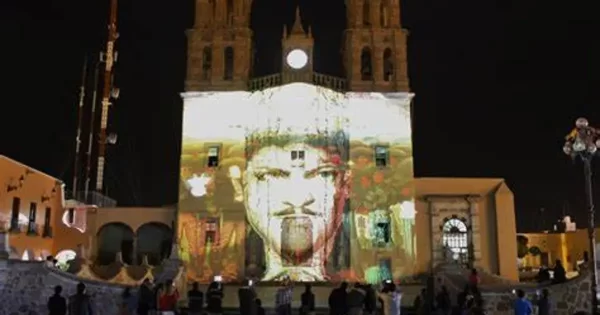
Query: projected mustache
291	209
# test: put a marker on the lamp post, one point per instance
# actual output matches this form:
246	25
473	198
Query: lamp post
583	142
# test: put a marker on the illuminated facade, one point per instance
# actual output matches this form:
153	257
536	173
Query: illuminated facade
311	176
545	248
31	206
291	174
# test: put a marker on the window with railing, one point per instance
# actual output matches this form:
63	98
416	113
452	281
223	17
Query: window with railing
14	215
47	226
31	226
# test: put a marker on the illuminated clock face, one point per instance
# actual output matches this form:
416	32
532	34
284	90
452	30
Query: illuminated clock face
297	59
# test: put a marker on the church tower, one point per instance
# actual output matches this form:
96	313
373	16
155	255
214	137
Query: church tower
297	52
375	47
219	46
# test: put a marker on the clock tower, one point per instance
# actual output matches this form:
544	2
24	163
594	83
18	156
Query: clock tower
297	52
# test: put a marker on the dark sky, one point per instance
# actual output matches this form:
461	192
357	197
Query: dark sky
498	85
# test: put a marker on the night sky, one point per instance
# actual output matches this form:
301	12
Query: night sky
498	84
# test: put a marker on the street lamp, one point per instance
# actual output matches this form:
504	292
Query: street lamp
583	142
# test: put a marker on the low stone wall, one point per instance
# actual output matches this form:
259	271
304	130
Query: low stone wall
25	287
567	298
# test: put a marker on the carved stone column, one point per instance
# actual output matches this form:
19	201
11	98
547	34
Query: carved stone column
134	250
4	245
475	236
4	255
92	232
437	254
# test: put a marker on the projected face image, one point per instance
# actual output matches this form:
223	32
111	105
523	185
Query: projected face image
294	199
296	182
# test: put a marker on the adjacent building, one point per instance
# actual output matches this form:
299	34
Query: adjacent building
31	208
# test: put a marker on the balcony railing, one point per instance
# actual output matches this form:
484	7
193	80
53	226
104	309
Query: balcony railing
327	81
92	198
29	228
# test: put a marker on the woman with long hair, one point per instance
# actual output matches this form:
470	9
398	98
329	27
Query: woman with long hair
167	298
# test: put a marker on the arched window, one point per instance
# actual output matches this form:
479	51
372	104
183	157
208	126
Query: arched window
228	74
383	15
154	241
206	62
112	238
455	240
366	69
366	13
229	11
388	65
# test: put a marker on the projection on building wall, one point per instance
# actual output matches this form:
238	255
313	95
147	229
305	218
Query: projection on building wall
296	181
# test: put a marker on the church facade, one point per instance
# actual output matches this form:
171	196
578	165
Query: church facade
287	175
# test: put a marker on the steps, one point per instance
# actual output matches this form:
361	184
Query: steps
295	311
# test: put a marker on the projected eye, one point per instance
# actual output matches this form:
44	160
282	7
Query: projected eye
270	174
326	174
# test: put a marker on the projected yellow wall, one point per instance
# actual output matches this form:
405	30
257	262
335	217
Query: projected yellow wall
297	181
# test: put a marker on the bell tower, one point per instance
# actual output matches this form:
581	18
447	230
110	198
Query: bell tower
375	47
297	52
219	46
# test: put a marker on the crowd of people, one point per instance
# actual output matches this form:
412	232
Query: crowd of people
347	299
150	299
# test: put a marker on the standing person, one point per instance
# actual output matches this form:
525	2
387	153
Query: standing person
195	300
544	305
129	303
522	305
247	299
355	300
307	301
560	274
259	308
283	298
370	300
390	299
57	305
158	289
146	298
80	303
214	298
474	278
337	300
168	297
442	301
49	262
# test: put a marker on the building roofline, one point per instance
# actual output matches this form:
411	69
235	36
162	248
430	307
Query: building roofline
4	157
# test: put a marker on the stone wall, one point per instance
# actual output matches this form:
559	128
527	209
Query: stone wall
567	298
25	287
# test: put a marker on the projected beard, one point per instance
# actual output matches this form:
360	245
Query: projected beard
294	196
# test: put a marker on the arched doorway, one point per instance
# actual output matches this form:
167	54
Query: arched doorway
456	241
154	239
115	237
